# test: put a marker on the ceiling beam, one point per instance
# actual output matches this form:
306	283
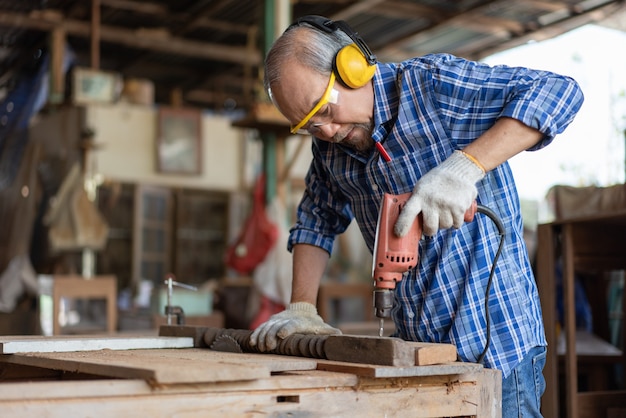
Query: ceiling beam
401	10
358	7
136	6
130	38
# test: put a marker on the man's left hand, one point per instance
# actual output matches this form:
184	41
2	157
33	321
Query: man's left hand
442	195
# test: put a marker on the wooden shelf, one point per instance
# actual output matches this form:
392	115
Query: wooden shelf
592	244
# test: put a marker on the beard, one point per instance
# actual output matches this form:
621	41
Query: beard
360	138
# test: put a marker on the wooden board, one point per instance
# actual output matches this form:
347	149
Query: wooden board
39	344
165	365
311	394
386	351
372	370
195	382
427	354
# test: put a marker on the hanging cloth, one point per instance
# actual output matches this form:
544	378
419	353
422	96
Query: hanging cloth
257	236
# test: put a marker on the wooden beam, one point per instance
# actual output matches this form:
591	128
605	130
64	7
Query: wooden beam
38	344
160	366
57	77
95	34
159	10
387	351
136	6
402	10
357	8
466	391
213	7
130	38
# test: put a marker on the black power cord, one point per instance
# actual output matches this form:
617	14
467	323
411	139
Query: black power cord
496	220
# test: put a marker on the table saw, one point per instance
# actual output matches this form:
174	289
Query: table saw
177	373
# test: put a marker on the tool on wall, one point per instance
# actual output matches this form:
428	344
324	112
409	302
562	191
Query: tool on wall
394	256
170	310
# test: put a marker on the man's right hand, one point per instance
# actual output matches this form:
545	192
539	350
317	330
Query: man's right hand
298	318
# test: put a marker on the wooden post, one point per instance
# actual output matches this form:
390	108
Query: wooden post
571	368
95	34
176	97
546	287
57	78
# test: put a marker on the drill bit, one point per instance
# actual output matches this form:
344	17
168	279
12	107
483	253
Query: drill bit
381	324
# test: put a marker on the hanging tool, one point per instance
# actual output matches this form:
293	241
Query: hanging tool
393	255
175	310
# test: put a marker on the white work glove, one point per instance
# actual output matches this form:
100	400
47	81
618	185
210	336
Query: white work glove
442	195
298	318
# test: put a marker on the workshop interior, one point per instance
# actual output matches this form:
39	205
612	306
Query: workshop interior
148	185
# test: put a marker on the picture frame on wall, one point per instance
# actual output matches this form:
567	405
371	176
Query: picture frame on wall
179	141
91	86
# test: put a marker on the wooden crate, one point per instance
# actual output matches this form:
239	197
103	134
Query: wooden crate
194	382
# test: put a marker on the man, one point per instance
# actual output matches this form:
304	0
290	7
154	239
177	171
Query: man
443	128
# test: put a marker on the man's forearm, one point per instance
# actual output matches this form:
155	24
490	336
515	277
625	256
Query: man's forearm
505	139
309	264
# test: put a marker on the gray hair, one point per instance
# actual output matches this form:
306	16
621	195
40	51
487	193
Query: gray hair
318	53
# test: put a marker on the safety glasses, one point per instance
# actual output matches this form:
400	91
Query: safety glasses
330	96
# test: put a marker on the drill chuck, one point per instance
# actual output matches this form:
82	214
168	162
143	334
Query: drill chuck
383	302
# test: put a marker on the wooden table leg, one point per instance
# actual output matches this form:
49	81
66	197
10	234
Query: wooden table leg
546	285
571	369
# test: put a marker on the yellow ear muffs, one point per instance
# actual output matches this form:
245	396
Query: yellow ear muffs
354	64
352	68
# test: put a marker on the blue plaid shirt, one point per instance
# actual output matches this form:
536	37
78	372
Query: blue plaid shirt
426	108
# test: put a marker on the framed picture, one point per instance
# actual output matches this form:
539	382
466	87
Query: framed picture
179	140
95	86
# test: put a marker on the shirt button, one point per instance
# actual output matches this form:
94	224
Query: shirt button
411	314
374	187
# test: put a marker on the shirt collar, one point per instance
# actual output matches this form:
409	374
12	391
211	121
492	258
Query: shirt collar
386	98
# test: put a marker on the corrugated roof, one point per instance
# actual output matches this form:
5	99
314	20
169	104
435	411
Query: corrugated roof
210	51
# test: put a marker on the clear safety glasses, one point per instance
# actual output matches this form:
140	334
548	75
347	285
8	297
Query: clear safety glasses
330	96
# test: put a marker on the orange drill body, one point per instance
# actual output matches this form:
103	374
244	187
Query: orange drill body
393	255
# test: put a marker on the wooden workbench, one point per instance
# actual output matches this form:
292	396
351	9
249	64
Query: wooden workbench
193	382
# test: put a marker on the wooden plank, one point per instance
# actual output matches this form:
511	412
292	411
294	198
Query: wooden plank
386	351
396	398
397	403
303	380
490	403
196	365
193	331
427	354
345	402
156	366
71	389
29	344
372	370
365	349
275	363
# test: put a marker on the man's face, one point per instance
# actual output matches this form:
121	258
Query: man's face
346	117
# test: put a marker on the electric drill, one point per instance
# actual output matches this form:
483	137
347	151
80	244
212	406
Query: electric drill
393	255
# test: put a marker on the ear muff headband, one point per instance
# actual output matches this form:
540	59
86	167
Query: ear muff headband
354	64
